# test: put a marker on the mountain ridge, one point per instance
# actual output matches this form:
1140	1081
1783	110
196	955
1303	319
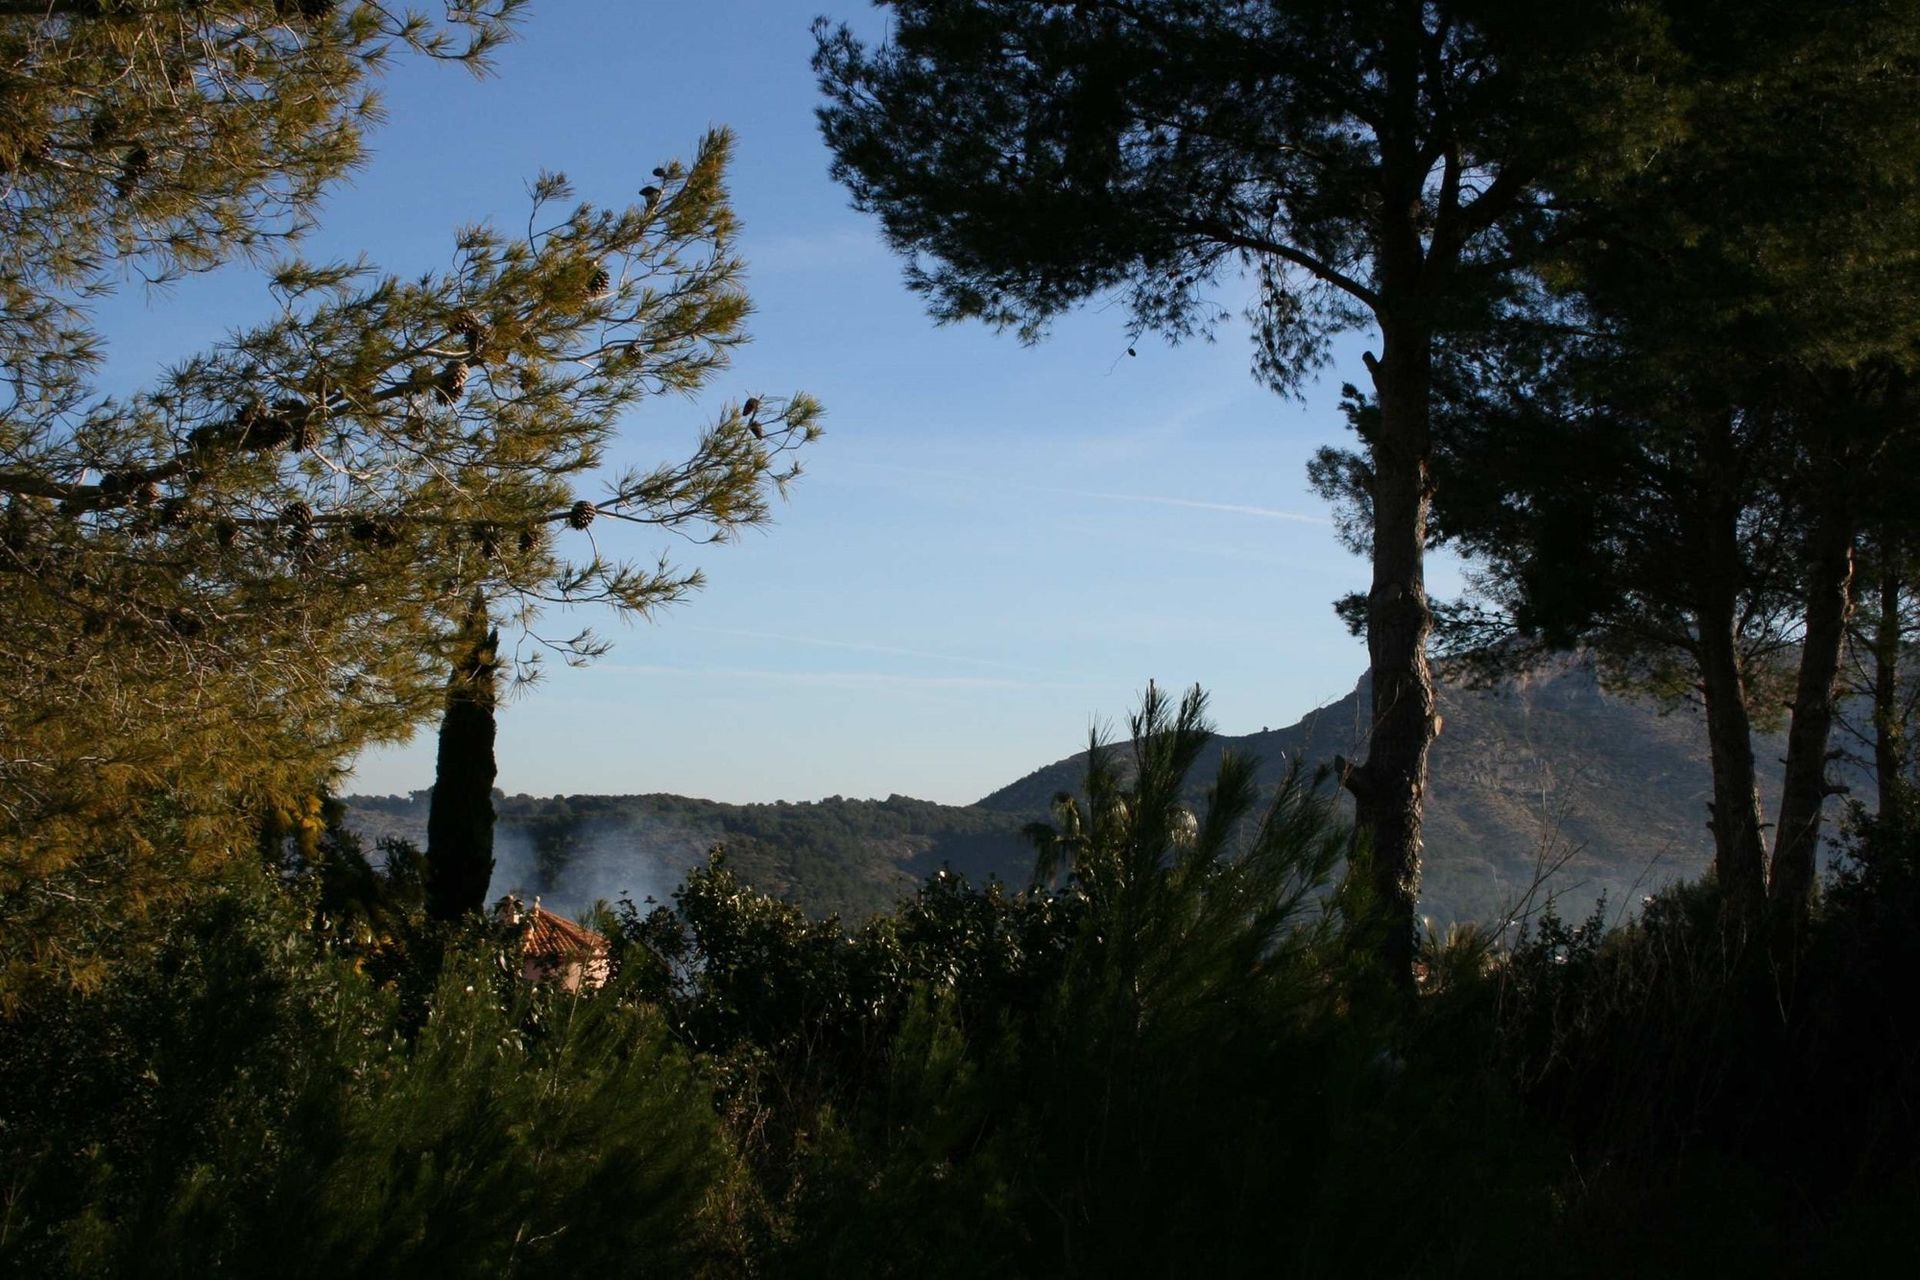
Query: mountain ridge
1546	784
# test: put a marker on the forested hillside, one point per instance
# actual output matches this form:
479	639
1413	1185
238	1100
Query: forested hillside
1546	785
834	856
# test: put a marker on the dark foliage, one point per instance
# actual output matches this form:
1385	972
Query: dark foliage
1153	1062
1173	1054
460	810
247	1104
1721	1109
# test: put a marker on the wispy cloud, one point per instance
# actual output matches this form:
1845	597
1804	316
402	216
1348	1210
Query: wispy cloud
974	484
836	249
1195	504
840	679
861	646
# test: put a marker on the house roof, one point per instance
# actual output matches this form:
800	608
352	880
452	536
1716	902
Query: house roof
547	934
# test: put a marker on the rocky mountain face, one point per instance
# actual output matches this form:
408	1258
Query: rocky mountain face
1547	784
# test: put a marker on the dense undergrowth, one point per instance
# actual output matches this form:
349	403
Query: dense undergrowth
1170	1056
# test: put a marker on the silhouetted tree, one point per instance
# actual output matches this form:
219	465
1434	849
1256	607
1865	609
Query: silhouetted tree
1881	672
1676	460
1373	166
460	809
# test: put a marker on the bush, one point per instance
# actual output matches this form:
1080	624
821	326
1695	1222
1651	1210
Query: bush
1727	1105
247	1105
1151	1062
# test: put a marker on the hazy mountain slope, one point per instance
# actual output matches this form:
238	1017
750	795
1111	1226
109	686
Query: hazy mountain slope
1547	774
1549	770
853	857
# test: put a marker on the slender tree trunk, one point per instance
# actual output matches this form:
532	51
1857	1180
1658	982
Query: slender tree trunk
1739	853
1889	731
1389	789
1804	789
460	810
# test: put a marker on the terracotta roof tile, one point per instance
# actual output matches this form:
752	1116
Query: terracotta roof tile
549	935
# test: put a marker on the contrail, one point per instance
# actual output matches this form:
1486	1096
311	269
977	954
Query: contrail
861	646
1231	508
843	679
1152	499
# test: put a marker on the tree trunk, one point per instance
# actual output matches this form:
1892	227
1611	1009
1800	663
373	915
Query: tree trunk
460	810
1389	789
1739	853
1804	789
1739	856
1889	730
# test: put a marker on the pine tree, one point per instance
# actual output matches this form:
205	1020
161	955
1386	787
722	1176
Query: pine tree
222	587
1881	649
1372	166
1681	468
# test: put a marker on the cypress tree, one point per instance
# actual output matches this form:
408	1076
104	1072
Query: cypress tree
460	809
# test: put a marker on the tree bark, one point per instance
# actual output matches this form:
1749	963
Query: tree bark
460	810
1889	731
1804	789
1389	789
1739	856
1739	853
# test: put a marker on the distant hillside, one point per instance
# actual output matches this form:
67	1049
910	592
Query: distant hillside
1549	772
851	857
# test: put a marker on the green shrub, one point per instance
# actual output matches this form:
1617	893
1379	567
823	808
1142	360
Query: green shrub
245	1105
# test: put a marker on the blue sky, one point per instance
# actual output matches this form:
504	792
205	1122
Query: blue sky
993	546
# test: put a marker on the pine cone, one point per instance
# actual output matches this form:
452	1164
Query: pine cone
470	328
311	10
651	194
530	540
225	532
212	435
487	534
599	283
293	421
297	517
582	514
269	432
377	530
452	383
135	167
